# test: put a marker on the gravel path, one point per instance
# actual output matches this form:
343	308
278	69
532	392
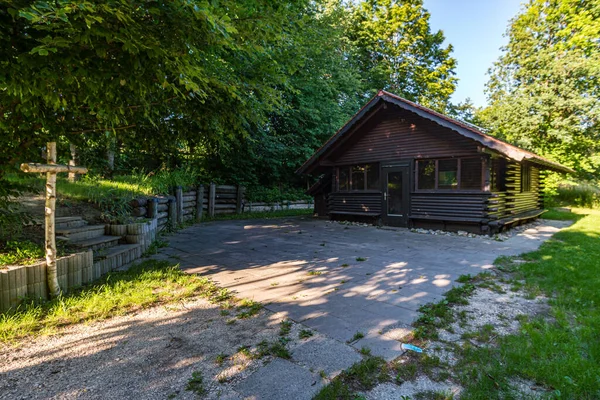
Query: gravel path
149	355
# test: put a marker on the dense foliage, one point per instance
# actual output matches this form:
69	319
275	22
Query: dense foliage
242	91
544	89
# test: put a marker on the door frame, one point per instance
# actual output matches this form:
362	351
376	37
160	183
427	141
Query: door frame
405	166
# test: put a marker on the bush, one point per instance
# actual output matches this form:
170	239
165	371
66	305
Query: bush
572	193
275	194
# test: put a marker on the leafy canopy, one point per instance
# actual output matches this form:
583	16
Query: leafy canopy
544	89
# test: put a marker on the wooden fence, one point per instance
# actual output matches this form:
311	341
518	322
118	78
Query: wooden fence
203	201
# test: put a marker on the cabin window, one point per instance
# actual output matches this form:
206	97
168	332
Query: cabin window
358	177
470	173
498	175
426	174
449	174
525	178
344	181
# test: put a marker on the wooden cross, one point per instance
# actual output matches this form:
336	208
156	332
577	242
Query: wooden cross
51	169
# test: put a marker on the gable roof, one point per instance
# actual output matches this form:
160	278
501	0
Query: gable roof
467	130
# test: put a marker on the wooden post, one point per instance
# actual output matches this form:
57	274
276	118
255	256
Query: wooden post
51	169
199	202
50	208
152	208
212	196
239	199
179	199
172	213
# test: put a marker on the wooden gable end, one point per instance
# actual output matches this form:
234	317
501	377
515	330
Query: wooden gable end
393	133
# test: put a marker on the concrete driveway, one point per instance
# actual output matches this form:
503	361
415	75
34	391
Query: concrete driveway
340	279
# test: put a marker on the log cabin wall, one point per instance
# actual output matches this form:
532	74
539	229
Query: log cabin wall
399	135
396	134
515	199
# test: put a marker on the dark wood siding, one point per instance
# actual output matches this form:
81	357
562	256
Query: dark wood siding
355	202
398	134
513	201
451	206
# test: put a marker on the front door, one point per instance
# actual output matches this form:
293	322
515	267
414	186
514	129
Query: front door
395	195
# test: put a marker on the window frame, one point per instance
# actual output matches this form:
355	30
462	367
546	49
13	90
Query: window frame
349	171
458	175
526	178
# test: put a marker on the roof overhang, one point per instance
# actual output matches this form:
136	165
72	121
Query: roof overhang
469	131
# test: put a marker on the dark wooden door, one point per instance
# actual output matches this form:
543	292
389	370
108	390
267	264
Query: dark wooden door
395	195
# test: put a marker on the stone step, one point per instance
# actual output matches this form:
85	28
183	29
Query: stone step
68	222
97	243
81	233
106	260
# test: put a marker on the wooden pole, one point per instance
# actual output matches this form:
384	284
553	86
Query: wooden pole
199	202
50	217
211	200
239	199
179	199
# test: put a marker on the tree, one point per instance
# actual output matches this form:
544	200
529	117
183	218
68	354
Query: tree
72	68
544	89
397	51
323	90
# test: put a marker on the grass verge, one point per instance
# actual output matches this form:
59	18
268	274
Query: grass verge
557	353
261	215
146	284
561	353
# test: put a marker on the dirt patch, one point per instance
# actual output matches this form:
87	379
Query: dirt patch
152	354
494	309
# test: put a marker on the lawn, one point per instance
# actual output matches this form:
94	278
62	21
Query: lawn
560	351
147	284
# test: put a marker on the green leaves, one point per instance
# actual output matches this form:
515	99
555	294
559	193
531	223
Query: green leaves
543	89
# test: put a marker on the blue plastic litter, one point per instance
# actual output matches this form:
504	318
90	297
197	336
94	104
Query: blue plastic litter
406	346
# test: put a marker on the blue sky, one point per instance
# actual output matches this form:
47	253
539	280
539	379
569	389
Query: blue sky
475	28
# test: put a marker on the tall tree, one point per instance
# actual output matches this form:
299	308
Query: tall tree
84	67
397	51
544	89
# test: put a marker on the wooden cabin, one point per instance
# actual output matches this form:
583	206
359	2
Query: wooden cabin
401	164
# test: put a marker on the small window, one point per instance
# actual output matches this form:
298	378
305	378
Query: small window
372	177
358	177
343	183
525	178
498	175
470	174
448	174
426	174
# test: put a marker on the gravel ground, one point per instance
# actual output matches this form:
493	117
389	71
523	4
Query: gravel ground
150	355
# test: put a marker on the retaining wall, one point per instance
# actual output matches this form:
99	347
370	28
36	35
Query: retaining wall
75	270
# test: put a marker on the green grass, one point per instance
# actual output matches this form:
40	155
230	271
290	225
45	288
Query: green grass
146	284
561	351
561	215
361	376
260	215
196	384
20	253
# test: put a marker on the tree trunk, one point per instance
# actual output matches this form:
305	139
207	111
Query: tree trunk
110	155
73	161
52	273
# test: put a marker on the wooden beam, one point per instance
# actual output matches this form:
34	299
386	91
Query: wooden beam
50	244
52	168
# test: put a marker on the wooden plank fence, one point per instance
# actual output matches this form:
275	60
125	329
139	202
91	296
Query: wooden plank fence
203	201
